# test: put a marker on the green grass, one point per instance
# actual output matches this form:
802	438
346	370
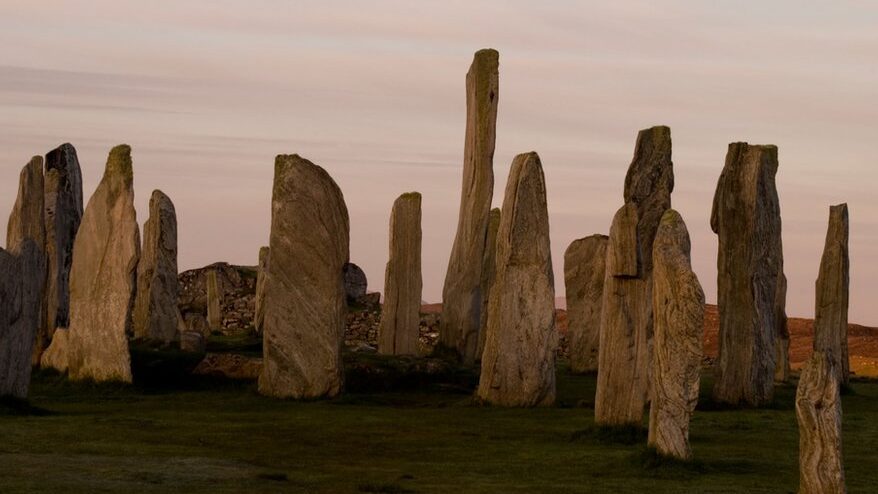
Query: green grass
211	436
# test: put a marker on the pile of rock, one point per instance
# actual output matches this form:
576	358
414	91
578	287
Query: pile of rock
237	286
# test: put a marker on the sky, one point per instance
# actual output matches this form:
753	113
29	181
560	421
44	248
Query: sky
207	93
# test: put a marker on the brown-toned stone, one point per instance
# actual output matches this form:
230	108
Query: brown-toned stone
832	289
585	263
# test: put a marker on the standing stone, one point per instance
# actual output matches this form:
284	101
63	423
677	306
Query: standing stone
518	366
624	361
818	410
103	277
782	365
22	280
463	295
399	331
585	263
156	316
259	302
304	292
678	311
214	302
63	211
746	217
488	270
355	283
832	288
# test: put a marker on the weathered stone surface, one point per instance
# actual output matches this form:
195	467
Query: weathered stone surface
214	301
626	311
782	364
832	288
463	295
57	355
259	302
63	208
103	276
192	341
156	316
585	263
488	270
818	410
678	312
518	366
237	305
746	218
22	280
401	315
304	292
355	282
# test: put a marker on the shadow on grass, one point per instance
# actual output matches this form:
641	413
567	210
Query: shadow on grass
16	407
384	489
626	435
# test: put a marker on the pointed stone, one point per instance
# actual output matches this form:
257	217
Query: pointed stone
22	282
818	410
63	207
399	330
156	316
259	302
304	292
214	302
488	271
746	218
103	277
355	282
518	366
585	263
678	311
463	295
624	360
832	287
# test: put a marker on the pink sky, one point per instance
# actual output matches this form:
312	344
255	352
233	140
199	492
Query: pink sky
207	93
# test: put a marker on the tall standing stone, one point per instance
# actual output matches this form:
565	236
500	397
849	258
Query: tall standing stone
156	316
103	277
585	262
518	366
214	302
22	281
399	331
63	210
832	288
746	218
304	292
626	312
488	270
259	299
818	410
463	295
678	312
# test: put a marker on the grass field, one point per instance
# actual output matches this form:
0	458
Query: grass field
209	436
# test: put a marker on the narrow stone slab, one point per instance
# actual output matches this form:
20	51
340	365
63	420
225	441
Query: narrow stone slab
488	271
818	410
304	293
678	311
585	262
463	295
214	302
518	366
833	293
259	299
399	330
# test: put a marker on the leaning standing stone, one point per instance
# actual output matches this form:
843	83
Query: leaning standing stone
678	309
585	263
399	331
518	366
156	316
818	410
103	277
214	302
259	302
304	292
463	295
746	218
624	350
832	287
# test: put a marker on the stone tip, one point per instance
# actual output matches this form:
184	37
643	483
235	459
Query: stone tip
411	195
671	217
488	53
119	161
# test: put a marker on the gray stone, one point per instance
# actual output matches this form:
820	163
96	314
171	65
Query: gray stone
746	218
678	312
782	363
518	366
355	282
156	316
585	262
832	288
398	332
488	270
624	354
818	410
463	295
259	299
304	293
214	302
192	341
103	277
